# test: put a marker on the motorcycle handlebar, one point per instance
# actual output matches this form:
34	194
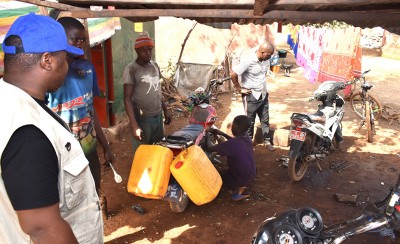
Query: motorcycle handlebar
365	72
225	79
398	185
194	99
350	82
186	103
220	81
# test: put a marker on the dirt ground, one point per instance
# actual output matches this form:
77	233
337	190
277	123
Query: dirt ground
373	168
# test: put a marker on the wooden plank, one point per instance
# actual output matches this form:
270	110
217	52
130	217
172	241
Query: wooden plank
43	11
184	13
333	2
260	6
55	5
346	198
86	48
235	15
360	18
158	2
230	2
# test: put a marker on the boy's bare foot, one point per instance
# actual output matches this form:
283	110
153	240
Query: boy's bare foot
238	197
242	190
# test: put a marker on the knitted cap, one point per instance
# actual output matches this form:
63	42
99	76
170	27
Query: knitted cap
144	41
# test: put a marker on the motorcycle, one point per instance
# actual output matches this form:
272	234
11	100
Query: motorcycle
305	225
202	117
313	136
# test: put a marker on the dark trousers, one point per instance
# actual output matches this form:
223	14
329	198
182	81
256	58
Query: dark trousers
260	107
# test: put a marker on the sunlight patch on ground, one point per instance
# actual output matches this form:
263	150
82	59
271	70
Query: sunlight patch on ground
385	141
168	235
236	108
175	232
123	231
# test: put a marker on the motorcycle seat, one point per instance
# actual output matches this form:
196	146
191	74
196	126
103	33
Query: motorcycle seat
186	134
321	115
317	117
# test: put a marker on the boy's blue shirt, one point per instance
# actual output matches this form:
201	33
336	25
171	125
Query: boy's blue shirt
73	102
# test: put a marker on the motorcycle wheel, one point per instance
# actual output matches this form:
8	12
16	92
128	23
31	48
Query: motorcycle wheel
180	206
335	144
356	102
369	122
298	165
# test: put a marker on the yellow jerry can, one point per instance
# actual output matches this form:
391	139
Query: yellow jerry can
150	171
196	175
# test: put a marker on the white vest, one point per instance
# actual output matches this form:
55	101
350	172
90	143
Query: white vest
79	204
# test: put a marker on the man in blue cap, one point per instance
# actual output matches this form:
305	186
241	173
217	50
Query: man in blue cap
48	193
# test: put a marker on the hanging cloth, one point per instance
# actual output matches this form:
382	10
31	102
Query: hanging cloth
293	38
341	55
310	51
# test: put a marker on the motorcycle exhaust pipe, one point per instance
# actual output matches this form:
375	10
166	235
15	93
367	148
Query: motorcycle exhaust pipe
362	229
314	157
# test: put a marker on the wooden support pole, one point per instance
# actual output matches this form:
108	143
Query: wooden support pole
55	5
88	54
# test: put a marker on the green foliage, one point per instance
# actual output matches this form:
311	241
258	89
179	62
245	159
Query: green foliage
170	70
330	25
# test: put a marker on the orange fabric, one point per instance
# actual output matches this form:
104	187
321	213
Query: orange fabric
341	55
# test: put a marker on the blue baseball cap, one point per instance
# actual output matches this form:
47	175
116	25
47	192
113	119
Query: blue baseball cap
39	34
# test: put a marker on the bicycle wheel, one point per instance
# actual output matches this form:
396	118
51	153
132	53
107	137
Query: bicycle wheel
369	122
357	104
375	106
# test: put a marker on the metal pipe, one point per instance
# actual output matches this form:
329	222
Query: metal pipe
361	229
313	157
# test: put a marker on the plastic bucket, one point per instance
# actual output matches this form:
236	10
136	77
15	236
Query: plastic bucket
282	53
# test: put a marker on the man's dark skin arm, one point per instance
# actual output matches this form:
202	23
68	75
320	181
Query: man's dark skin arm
136	130
45	225
102	139
210	146
167	116
238	87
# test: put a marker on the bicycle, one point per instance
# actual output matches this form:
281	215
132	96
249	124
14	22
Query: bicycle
366	106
